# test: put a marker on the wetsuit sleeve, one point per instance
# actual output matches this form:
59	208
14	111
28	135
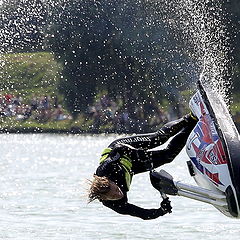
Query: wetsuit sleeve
160	157
133	210
152	140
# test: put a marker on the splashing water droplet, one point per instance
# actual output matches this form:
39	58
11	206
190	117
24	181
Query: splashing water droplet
203	28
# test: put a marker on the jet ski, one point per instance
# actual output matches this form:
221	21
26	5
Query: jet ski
213	148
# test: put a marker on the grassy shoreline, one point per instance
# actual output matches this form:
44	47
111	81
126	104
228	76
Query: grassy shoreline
66	127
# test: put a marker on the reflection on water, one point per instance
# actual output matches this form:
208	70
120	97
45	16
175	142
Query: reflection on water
42	196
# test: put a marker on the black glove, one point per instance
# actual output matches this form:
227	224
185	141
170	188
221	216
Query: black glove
166	206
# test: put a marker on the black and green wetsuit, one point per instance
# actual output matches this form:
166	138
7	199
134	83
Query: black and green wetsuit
126	157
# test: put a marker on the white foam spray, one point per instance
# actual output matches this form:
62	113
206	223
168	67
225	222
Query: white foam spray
202	24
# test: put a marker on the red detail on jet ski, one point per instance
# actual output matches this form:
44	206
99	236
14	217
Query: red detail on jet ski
214	177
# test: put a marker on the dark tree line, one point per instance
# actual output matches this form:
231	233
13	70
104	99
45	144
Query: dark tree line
233	8
122	47
111	46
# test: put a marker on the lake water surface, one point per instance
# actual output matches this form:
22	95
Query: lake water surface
43	196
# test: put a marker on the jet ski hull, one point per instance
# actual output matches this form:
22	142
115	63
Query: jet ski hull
213	148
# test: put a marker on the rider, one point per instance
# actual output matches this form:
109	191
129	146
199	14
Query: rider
128	156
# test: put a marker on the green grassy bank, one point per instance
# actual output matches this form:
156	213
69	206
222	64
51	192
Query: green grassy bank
29	74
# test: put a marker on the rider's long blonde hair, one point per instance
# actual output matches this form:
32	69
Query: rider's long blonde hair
98	187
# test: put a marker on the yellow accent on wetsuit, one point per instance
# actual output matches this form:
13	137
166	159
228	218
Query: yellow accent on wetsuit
125	162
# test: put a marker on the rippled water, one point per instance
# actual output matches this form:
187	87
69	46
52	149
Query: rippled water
42	196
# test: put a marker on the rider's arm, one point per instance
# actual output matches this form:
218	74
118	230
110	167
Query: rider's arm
123	207
152	140
166	155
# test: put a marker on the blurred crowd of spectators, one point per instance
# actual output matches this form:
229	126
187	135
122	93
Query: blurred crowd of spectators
106	113
144	117
42	108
